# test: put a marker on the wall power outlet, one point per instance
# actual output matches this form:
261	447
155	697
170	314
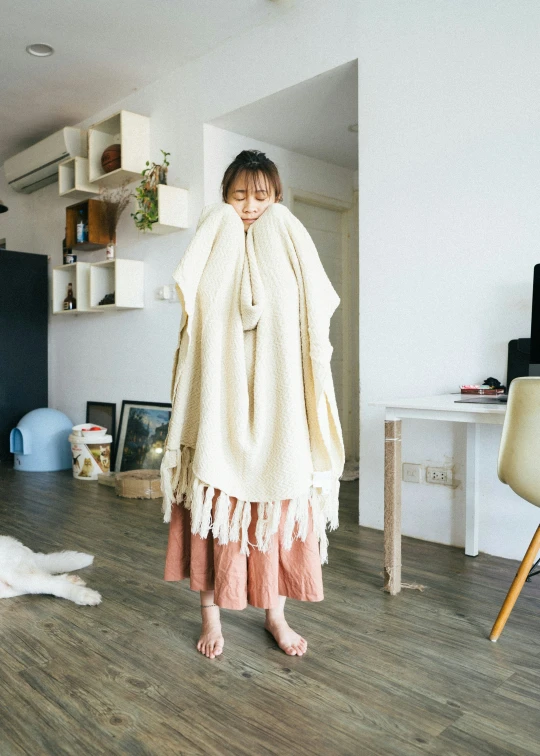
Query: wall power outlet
443	476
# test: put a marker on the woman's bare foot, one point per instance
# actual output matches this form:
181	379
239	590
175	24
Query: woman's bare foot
286	638
211	641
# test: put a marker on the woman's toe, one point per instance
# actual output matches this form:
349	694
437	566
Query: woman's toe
301	647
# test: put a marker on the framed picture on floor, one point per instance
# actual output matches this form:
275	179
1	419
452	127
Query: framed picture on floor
141	435
104	414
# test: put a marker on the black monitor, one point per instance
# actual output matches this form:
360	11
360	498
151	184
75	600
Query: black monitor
534	359
524	354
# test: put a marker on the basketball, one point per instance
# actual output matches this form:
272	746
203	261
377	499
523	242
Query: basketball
111	158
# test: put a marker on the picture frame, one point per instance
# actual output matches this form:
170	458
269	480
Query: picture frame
104	414
141	435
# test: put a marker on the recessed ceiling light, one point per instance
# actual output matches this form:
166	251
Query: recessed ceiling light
40	50
354	128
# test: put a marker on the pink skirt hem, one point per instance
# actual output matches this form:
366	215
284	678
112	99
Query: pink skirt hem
257	579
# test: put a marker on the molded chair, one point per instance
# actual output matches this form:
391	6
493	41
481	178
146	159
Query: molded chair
519	467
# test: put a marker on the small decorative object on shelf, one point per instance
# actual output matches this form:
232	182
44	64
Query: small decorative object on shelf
147	193
108	299
111	158
67	255
113	204
82	228
70	303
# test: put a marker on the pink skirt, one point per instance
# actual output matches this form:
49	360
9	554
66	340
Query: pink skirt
258	578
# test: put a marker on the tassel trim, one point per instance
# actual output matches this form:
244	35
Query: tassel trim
180	486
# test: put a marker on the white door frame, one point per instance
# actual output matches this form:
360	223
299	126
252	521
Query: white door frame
345	208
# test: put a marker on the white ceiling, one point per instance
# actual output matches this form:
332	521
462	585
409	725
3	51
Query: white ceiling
103	51
311	117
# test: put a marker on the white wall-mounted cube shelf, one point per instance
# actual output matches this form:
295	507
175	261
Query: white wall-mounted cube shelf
73	178
172	210
132	132
123	277
78	274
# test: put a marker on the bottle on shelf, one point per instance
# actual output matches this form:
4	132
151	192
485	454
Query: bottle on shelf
82	228
70	303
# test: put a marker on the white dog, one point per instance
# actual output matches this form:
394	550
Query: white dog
23	571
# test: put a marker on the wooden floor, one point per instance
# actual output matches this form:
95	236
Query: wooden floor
414	674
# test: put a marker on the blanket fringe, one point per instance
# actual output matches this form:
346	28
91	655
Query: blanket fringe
180	486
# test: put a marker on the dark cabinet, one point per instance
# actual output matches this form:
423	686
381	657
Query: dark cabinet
23	339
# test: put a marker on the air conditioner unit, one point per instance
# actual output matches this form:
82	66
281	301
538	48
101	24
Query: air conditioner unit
37	166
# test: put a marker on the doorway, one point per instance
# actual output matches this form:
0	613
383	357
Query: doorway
331	226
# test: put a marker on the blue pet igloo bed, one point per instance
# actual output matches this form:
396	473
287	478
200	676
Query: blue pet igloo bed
40	441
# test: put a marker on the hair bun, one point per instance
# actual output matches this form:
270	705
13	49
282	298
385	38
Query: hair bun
252	158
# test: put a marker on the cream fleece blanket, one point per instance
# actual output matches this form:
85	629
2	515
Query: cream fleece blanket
253	405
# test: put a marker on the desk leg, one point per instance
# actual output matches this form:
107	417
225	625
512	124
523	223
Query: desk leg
471	492
392	506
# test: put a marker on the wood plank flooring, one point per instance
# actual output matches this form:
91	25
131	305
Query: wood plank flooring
410	675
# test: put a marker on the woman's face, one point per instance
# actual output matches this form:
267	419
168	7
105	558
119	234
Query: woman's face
250	199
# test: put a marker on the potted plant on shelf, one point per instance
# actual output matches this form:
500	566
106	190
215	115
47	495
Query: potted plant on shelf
113	204
146	193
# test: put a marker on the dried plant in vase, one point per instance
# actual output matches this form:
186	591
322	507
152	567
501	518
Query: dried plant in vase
146	193
113	203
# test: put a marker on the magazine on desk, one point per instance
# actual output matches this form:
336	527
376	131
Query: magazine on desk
482	399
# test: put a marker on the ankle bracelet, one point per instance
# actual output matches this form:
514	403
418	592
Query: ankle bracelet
207	606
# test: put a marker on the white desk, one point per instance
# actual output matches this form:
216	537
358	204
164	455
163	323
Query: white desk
444	408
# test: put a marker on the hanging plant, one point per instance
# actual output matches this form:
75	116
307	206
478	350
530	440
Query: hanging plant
146	193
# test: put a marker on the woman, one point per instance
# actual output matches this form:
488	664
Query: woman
247	411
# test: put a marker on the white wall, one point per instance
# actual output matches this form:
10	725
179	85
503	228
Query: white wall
449	235
449	222
296	171
17	225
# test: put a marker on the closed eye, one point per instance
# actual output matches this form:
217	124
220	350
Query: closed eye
259	196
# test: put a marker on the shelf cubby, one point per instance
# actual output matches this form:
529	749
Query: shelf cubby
98	238
123	277
73	178
132	132
172	210
78	274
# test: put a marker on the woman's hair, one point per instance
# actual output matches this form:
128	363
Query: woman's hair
252	163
